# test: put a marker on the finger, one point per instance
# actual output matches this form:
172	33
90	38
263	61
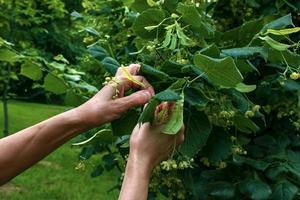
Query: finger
133	69
136	99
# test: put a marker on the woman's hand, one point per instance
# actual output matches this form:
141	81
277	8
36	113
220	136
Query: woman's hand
102	108
148	147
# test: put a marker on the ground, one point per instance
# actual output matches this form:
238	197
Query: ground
54	177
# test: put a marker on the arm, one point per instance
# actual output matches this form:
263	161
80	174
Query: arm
148	147
23	149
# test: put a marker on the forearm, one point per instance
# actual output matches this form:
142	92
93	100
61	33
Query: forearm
136	180
23	149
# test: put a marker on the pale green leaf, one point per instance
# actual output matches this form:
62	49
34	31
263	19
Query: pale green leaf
221	72
286	31
275	44
175	121
31	70
54	84
241	87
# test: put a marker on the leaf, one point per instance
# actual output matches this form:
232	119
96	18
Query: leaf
148	113
167	95
98	52
153	73
198	129
191	16
195	97
31	70
221	72
221	190
241	87
129	77
245	124
8	55
150	17
73	99
92	31
246	52
218	146
140	5
286	31
274	44
211	51
175	121
110	65
125	124
279	23
255	189
54	84
284	190
256	164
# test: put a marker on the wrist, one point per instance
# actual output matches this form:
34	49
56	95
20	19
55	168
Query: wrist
139	166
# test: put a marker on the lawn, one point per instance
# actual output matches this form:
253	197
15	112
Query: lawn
55	176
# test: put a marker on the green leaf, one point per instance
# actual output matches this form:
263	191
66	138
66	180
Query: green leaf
255	189
211	51
98	52
279	23
54	84
110	65
292	58
8	55
284	190
256	164
150	17
221	190
274	44
246	52
198	129
167	95
194	96
92	31
221	72
218	146
31	70
241	87
125	124
148	113
245	124
73	99
286	31
191	16
175	121
153	73
140	5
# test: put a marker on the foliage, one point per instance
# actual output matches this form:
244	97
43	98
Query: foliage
236	72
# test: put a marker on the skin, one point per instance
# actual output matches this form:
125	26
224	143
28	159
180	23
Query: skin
148	146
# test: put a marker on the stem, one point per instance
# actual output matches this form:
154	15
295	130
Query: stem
199	76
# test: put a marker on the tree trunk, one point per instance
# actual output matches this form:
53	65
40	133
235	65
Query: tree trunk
5	102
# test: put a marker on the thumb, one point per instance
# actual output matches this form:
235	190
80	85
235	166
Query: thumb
136	99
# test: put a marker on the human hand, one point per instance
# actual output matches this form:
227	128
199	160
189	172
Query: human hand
102	108
149	146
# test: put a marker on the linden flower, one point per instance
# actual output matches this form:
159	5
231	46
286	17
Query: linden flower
294	76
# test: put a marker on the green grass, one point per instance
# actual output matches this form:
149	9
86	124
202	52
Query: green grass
55	176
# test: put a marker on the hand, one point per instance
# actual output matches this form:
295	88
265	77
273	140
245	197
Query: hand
149	146
102	108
